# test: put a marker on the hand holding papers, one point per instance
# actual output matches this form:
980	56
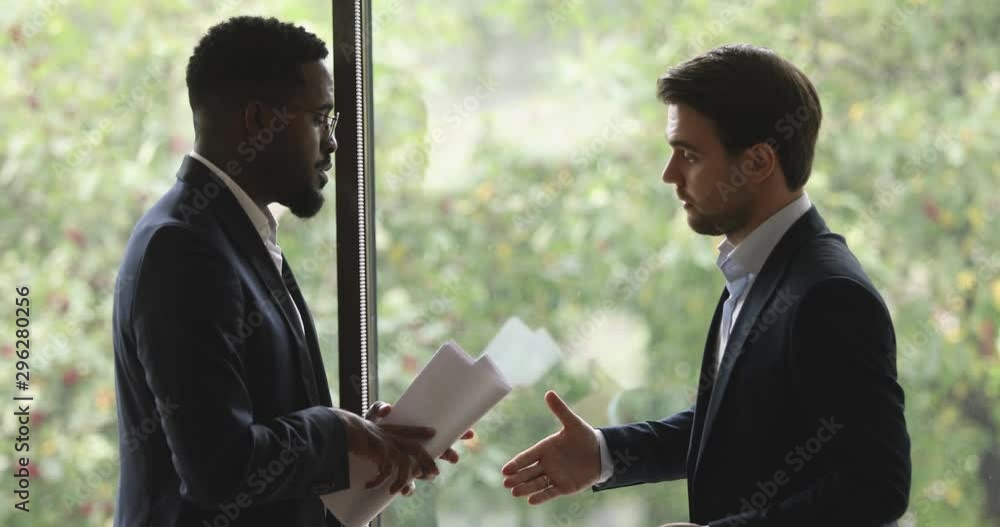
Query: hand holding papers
450	394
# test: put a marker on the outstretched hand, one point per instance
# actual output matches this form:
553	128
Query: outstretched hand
565	462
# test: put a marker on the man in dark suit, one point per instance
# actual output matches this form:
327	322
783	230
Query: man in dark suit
799	415
224	410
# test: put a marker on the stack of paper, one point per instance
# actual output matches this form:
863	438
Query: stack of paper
450	394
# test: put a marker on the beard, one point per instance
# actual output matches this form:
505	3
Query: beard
301	194
306	202
720	223
294	180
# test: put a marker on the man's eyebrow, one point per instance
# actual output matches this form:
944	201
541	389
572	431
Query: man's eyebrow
683	144
326	107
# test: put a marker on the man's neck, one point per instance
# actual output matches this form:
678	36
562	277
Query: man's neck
245	178
765	211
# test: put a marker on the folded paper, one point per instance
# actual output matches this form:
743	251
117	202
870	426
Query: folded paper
451	393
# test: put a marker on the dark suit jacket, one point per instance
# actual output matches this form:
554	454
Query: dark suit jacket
222	400
803	424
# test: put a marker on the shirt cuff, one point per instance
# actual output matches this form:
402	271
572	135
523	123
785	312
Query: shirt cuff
607	465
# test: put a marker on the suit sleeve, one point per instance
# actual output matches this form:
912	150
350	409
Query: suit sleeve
649	451
187	309
843	351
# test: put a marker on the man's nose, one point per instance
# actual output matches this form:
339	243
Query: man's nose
670	173
330	145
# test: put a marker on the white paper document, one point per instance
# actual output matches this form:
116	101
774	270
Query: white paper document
450	394
521	354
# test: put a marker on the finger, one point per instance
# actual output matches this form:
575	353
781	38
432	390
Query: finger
531	487
410	432
562	411
450	456
544	496
524	459
404	467
384	409
384	471
469	434
408	490
374	410
426	466
526	474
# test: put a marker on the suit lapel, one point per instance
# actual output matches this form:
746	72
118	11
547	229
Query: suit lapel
705	381
209	193
315	376
804	229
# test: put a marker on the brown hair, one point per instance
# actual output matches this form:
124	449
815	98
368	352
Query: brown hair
753	96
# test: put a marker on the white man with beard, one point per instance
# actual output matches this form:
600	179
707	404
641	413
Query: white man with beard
799	414
217	360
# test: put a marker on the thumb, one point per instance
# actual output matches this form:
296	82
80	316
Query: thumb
562	411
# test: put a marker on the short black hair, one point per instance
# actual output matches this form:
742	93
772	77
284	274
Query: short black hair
753	96
249	57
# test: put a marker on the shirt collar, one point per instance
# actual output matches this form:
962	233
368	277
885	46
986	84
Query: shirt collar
748	257
261	217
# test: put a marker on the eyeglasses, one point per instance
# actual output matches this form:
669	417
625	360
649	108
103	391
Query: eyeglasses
331	121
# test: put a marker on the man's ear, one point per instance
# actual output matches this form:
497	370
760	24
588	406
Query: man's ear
253	119
761	162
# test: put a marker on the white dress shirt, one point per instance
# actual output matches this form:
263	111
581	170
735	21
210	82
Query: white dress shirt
737	263
747	258
260	216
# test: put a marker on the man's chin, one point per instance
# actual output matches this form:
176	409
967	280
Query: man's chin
307	204
705	229
708	226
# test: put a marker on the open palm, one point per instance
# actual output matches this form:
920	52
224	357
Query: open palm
565	462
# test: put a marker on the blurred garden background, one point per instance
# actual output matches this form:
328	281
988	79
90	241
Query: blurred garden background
518	150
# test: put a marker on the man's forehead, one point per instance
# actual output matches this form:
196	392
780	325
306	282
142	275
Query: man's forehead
318	83
686	124
674	121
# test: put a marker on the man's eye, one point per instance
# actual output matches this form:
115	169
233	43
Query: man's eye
689	157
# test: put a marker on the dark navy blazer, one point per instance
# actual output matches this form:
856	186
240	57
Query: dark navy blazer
222	399
803	423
